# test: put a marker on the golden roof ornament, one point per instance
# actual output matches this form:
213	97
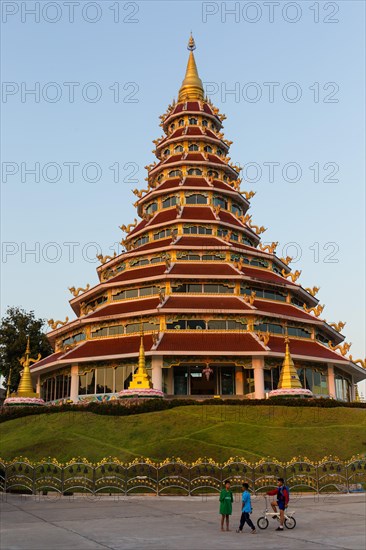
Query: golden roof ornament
192	87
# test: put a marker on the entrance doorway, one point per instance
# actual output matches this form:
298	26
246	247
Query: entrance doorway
202	383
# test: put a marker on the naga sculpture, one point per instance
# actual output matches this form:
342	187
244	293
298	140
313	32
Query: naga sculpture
294	276
361	362
250	299
270	248
76	291
104	259
316	310
343	349
338	326
248	194
54	324
286	260
313	291
127	228
140	192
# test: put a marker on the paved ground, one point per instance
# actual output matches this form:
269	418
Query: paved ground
177	523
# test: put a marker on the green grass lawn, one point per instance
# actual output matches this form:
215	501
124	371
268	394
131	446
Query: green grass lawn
189	433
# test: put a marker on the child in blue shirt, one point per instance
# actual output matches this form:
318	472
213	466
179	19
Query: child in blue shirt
246	511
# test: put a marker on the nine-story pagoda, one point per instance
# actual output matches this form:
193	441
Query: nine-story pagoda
213	302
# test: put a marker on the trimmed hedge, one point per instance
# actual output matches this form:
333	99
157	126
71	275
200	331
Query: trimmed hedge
138	406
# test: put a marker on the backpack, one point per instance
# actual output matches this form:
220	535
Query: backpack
280	492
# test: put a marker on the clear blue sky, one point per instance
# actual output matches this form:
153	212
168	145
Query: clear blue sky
324	129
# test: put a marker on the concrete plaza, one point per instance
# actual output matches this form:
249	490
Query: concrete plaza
87	522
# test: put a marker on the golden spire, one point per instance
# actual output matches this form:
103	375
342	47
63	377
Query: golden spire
25	388
192	87
141	379
289	379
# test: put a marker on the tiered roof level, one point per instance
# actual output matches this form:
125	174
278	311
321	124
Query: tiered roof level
195	274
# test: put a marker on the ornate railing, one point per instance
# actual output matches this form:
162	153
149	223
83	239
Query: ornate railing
174	476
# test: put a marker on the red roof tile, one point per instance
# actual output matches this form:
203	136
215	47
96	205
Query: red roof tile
304	347
226	217
199	240
172	158
47	360
215	159
159	243
211	303
164	216
196	157
207	342
139	273
266	275
283	309
169	184
217	268
129	306
203	213
109	346
195	182
138	227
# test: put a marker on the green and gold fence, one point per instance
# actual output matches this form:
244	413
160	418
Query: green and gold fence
174	476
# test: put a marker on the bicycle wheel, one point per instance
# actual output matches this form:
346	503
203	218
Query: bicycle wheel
262	522
290	522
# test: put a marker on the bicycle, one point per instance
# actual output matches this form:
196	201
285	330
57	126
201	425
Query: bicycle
262	522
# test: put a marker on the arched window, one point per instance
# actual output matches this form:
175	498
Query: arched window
170	201
193	120
204	122
219	152
193	147
225	177
196	199
167	152
213	173
236	209
178	149
194	172
174	173
213	126
172	126
151	208
208	148
218	201
181	122
159	178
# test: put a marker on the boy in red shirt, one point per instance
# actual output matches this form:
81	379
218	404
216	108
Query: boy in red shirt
282	500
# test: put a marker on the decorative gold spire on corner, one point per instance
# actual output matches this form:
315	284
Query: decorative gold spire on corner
25	388
141	380
289	379
192	87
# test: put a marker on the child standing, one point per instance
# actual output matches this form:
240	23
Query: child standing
226	505
246	510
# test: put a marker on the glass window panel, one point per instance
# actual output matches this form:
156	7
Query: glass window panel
108	380
227	380
132	293
119	378
180	377
194	288
217	325
82	384
195	324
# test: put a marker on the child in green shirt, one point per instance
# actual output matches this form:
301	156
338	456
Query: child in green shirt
226	505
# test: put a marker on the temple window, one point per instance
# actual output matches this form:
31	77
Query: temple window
172	126
246	240
322	338
219	201
234	237
196	199
212	257
194	172
156	260
141	241
313	379
160	177
225	177
269	327
193	147
258	262
193	121
108	331
275	269
135	292
217	289
167	152
189	324
136	327
191	257
296	301
161	234
213	173
219	152
236	210
181	122
187	287
194	230
170	201
342	385
178	149
73	339
174	173
151	208
208	149
204	122
213	126
298	332
137	263
263	293
149	290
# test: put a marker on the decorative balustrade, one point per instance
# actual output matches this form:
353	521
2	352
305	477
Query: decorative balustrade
174	476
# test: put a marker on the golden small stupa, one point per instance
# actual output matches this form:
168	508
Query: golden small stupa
25	395
141	385
289	384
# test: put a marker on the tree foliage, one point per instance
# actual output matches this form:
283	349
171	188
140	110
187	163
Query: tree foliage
15	327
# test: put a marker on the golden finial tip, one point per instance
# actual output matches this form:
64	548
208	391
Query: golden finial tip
191	43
